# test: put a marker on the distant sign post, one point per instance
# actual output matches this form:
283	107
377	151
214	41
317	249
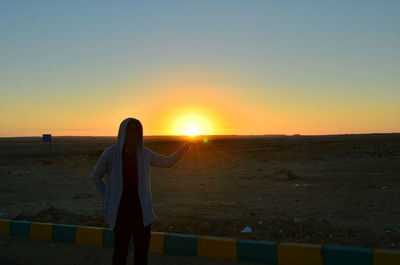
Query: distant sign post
47	139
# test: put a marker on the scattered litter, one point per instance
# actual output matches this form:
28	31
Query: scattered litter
18	213
260	222
384	187
247	229
390	230
300	185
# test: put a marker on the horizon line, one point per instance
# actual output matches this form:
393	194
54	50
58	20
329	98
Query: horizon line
209	135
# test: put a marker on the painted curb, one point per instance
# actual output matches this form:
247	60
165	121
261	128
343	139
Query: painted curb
157	242
20	228
210	246
257	251
41	231
180	244
63	233
89	236
386	257
299	254
343	255
108	237
217	247
4	227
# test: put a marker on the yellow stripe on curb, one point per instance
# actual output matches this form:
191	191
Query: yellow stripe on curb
157	242
217	247
386	257
90	236
299	254
4	227
41	231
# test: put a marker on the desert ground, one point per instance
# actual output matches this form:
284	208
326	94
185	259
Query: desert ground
338	189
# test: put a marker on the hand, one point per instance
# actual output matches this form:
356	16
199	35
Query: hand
186	147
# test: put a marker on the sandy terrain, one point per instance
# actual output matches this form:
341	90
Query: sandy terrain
326	190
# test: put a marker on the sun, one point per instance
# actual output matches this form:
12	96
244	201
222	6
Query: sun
191	130
192	125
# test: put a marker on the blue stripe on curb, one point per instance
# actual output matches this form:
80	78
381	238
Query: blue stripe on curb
341	255
257	251
20	228
108	237
180	244
64	233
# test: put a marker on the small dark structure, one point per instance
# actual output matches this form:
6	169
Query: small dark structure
47	140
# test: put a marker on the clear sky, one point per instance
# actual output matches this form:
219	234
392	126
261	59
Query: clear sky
209	67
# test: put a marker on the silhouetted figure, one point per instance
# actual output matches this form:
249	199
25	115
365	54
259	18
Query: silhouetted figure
122	177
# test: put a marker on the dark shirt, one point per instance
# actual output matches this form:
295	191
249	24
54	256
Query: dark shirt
129	173
130	203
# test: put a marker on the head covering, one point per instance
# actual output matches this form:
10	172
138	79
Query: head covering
122	133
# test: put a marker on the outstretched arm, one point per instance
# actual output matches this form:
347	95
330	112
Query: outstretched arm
158	160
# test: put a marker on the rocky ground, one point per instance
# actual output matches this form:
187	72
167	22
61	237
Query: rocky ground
322	189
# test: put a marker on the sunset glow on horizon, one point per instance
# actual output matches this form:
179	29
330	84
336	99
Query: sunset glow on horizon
199	68
192	126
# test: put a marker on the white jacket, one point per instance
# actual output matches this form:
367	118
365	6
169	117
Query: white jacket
107	175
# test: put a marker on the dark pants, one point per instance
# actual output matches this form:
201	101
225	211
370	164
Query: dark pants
130	223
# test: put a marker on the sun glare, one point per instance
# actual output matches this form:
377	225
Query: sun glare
192	130
192	126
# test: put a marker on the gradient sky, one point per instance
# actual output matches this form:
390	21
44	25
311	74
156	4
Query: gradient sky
235	67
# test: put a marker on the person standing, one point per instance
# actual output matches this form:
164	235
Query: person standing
122	178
